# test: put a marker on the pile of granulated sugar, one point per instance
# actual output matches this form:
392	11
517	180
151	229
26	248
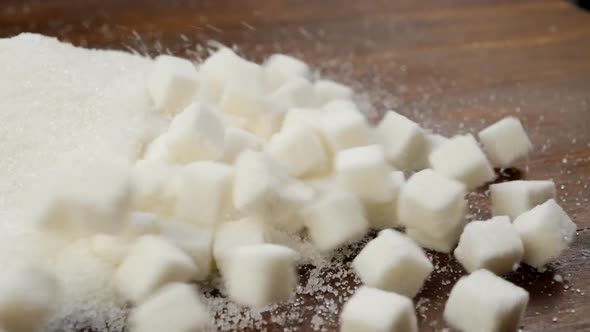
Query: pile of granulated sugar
164	195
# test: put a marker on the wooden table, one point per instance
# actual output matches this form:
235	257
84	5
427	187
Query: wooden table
454	66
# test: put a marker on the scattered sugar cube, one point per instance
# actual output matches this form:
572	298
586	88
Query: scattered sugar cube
238	140
375	310
173	83
233	234
433	141
260	274
432	207
483	301
384	215
175	307
364	172
327	90
280	68
344	128
151	263
300	149
154	187
461	158
157	150
195	134
28	295
140	223
204	191
298	116
493	245
296	92
244	100
393	262
196	242
403	139
515	197
546	231
506	142
111	248
91	200
335	219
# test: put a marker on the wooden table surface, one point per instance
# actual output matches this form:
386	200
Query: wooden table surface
454	66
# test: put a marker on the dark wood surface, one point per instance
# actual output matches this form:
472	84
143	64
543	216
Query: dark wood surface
454	66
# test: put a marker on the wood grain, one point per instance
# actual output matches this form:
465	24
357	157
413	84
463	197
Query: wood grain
455	66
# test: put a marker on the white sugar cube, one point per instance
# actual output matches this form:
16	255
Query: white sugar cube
299	149
483	301
296	117
546	231
238	140
28	295
151	263
140	223
154	187
393	262
111	248
234	234
176	307
334	220
375	310
493	245
515	197
280	68
296	92
506	142
344	128
245	100
204	191
196	133
404	140
432	207
260	274
173	83
461	158
384	215
157	150
196	242
433	141
364	172
327	90
91	200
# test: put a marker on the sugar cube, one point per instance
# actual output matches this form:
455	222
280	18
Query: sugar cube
393	262
296	92
300	149
335	219
493	245
238	140
384	215
403	139
140	223
256	275
196	133
546	231
461	158
154	187
506	142
280	68
233	234
172	83
344	128
515	197
111	248
432	207
204	192
151	263
244	100
483	301
28	295
375	310
195	241
327	90
175	307
433	141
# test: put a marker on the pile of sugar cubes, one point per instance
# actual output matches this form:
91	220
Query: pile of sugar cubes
257	148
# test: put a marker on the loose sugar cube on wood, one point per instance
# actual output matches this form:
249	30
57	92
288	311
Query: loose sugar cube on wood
280	68
327	90
344	128
494	245
404	140
384	215
433	141
515	197
335	219
393	262
375	310
506	142
234	234
173	83
176	307
364	172
257	275
461	158
483	301
151	263
546	231
432	207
